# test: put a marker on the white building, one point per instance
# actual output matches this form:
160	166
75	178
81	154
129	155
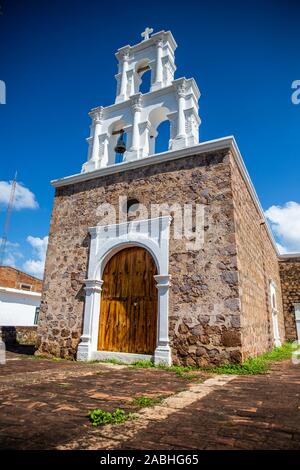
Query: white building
20	297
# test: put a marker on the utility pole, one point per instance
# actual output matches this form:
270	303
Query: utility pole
7	219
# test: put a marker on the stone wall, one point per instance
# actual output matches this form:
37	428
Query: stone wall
13	278
207	292
257	266
204	307
18	334
290	284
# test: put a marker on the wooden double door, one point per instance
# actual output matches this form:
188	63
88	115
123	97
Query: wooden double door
128	311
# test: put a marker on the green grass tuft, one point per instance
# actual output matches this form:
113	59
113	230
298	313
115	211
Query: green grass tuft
142	364
144	402
100	417
256	365
279	354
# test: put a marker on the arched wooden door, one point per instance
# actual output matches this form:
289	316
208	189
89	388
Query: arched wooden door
128	312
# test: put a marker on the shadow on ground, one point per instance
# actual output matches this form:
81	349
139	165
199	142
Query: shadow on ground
24	349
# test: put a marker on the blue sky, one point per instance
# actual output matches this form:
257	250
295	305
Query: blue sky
57	60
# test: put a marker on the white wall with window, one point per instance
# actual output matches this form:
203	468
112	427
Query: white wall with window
18	307
275	325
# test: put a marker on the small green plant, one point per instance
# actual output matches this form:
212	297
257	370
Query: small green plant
143	364
64	384
100	417
251	366
279	354
256	365
144	402
186	375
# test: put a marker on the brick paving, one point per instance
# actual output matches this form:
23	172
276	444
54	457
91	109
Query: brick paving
251	412
43	405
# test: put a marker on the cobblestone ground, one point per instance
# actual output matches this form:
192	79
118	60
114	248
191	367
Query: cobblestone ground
43	405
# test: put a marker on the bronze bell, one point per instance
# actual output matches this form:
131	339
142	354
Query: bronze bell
121	144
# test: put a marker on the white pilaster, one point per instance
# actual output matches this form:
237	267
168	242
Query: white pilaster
103	150
93	141
97	124
145	138
91	310
159	67
180	139
123	87
181	118
162	353
136	106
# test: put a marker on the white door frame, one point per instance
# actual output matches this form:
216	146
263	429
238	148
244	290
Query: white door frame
297	318
106	241
273	302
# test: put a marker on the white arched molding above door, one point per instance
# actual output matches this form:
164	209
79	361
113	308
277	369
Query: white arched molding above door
150	234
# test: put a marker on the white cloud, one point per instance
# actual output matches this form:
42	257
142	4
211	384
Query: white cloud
24	198
285	223
12	253
36	266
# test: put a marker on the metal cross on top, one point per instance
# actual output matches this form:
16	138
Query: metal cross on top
146	34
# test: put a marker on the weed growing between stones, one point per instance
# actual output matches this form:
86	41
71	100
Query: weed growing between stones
144	402
100	417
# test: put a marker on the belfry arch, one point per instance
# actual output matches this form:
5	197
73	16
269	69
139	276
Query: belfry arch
156	117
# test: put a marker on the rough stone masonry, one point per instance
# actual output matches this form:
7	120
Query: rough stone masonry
219	298
290	280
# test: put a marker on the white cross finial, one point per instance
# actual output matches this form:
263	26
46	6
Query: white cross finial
146	34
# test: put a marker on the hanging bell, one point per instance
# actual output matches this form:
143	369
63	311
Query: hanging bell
121	144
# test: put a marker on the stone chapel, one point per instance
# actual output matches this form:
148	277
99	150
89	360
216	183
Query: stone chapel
120	282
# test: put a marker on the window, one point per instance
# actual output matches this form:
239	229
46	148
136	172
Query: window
274	310
132	205
36	315
25	286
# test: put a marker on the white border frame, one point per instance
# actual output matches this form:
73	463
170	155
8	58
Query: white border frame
106	241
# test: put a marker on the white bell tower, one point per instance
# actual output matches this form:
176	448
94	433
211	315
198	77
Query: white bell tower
139	115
